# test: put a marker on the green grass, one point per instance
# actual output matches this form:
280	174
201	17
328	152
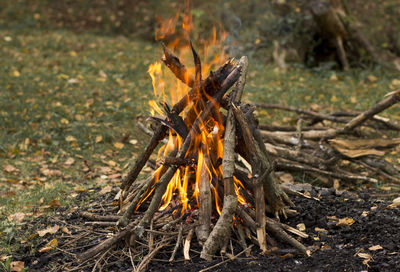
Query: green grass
67	98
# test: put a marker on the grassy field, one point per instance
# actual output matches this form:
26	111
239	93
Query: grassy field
68	105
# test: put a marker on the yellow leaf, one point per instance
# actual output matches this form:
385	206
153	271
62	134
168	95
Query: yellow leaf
64	121
333	77
347	221
73	54
49	246
119	145
374	248
334	98
16	73
50	230
16	266
99	138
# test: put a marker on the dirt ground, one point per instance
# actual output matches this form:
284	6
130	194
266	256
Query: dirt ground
347	232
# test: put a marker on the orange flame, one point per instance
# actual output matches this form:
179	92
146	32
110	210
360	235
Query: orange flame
168	89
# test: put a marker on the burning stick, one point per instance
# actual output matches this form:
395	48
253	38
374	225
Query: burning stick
228	167
205	200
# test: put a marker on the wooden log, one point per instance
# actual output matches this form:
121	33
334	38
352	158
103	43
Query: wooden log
217	236
107	243
278	232
293	155
316	115
205	199
228	160
309	135
228	166
275	197
270	127
292	166
368	114
175	65
170	160
124	220
258	170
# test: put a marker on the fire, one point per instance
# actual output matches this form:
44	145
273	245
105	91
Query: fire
207	148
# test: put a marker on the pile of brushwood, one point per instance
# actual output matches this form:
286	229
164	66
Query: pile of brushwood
243	202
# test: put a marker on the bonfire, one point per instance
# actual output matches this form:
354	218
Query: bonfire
214	177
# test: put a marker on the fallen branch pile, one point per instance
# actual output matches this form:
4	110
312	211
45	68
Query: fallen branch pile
336	147
239	197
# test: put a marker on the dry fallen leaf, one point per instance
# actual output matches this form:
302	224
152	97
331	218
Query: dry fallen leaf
372	78
50	230
376	247
286	178
70	161
396	203
119	145
365	213
49	246
98	139
9	168
347	221
133	142
16	217
301	227
364	255
320	230
105	190
17	266
65	230
54	203
70	138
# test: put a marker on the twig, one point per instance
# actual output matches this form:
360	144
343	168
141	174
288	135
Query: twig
186	246
96	217
178	242
227	260
148	257
377	108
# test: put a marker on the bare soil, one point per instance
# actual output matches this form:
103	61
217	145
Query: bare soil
371	243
